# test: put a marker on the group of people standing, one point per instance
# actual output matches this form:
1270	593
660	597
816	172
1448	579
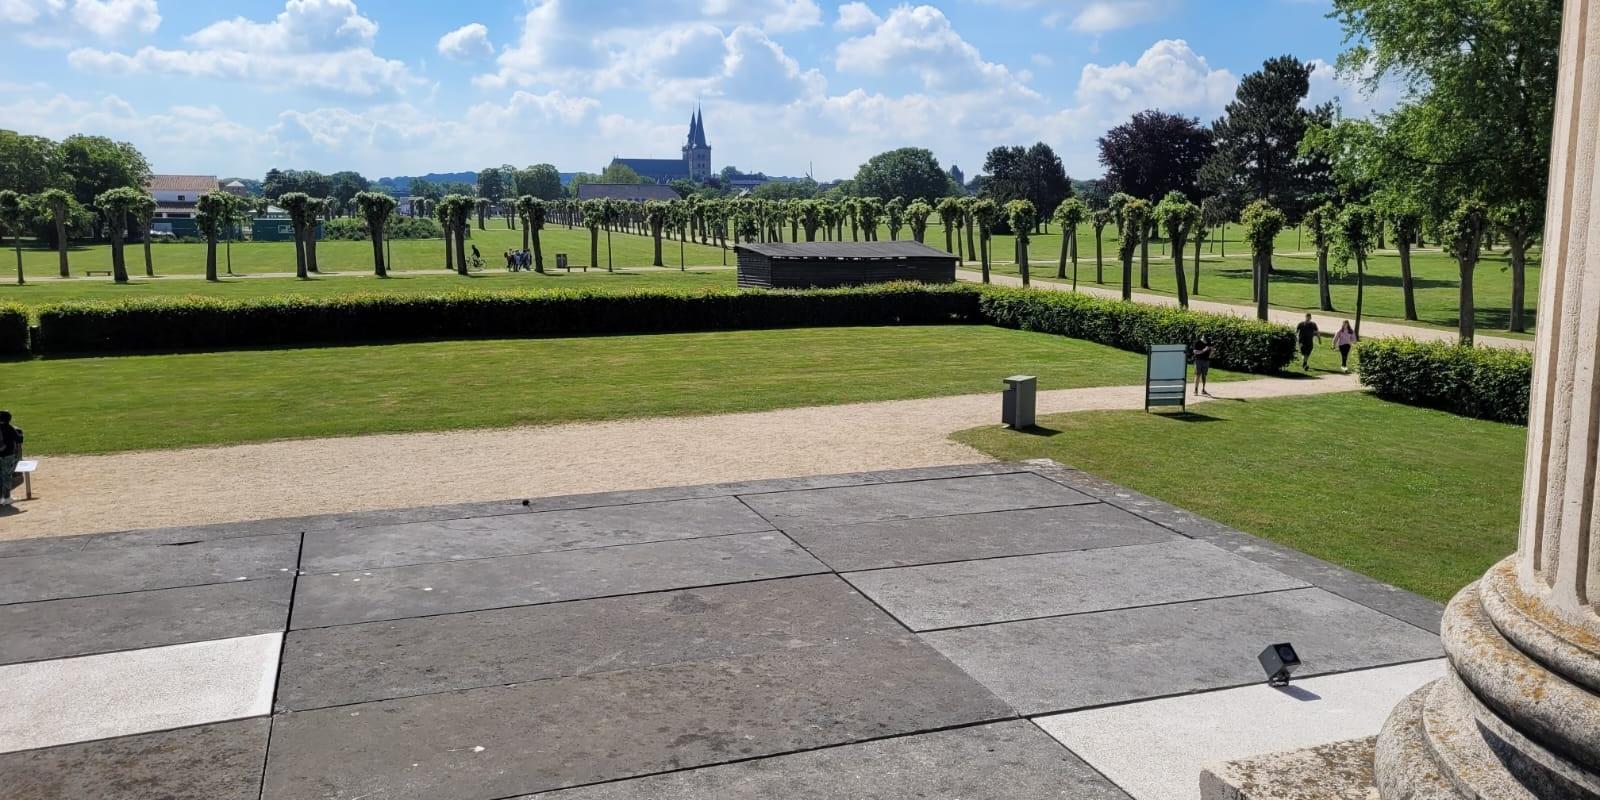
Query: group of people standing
518	260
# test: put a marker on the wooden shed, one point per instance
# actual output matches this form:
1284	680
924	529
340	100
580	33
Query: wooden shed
799	265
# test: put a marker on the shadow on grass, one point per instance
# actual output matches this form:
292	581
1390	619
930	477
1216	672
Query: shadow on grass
1043	433
1189	416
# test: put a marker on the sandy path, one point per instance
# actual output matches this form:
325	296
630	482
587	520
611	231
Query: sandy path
146	489
1327	322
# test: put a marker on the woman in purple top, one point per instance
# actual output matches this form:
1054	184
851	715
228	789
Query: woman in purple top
1343	340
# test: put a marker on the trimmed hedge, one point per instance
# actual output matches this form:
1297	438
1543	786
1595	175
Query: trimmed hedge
205	323
1244	345
13	330
1485	382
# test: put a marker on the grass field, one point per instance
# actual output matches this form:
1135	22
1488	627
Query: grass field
93	405
1421	499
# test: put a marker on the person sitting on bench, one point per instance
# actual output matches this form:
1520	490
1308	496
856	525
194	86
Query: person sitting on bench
10	454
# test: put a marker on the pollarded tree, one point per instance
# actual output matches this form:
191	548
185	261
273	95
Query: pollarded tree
1100	218
985	214
949	211
871	213
895	213
1178	218
1214	212
1320	222
1133	217
13	218
968	223
56	201
1069	215
521	205
1355	234
375	208
143	215
533	217
1261	225
1520	219
318	209
213	214
443	213
1023	216
594	215
115	205
460	206
678	214
656	215
298	206
482	205
917	214
1462	235
810	214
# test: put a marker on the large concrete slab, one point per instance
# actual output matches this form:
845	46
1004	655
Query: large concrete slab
380	660
1071	662
131	569
68	700
1195	730
927	498
209	762
341	598
901	543
517	534
1003	761
86	625
505	741
1051	584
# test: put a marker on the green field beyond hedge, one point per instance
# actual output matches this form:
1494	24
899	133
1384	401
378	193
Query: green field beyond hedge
1421	499
90	405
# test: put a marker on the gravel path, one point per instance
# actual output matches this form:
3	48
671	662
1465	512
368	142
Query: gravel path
144	489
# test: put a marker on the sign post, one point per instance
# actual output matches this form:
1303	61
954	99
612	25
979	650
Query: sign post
1166	379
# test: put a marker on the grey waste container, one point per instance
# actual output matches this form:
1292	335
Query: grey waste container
561	262
1017	402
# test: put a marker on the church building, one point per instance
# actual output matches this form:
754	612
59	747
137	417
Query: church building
695	165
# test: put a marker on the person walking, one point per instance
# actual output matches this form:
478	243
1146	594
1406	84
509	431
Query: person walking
1203	351
1307	333
1344	339
10	454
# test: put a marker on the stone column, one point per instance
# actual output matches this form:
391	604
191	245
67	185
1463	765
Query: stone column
1517	715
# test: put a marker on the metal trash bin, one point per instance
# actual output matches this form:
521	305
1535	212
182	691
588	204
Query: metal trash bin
1018	401
561	262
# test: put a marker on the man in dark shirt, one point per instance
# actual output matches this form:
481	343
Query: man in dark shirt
1307	332
10	453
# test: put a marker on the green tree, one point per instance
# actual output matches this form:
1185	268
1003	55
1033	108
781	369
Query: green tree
1462	235
894	213
1100	218
1027	173
460	207
917	213
1178	218
910	172
1214	213
491	185
144	214
985	214
542	181
445	213
28	164
1404	212
656	215
1023	217
481	205
115	205
621	173
317	209
56	200
93	165
13	218
1320	223
594	215
1262	223
300	210
1258	139
949	209
1133	217
1355	234
375	208
870	210
346	185
1069	215
213	214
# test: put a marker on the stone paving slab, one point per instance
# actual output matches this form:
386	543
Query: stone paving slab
341	598
209	762
1198	729
68	700
132	569
518	534
379	660
87	625
1072	662
927	498
901	543
504	741
1003	761
1051	584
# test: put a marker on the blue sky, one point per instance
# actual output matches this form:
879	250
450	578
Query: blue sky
393	87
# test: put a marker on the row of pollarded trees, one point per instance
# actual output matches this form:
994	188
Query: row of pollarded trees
115	206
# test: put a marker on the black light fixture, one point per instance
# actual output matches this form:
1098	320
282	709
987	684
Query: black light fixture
1279	660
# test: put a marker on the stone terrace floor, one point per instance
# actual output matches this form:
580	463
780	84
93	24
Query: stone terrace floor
987	631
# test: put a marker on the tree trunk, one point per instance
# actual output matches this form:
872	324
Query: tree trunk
525	226
449	251
59	212
1198	242
462	265
983	245
1407	287
211	258
948	247
1361	289
119	267
149	264
594	248
1061	263
1466	326
1073	243
1144	257
972	253
17	244
1099	260
299	252
1519	281
311	248
608	250
538	250
1264	264
656	232
1127	275
1177	269
379	268
1324	291
1022	257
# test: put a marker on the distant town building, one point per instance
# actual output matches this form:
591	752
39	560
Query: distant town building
695	165
236	188
635	192
957	176
176	197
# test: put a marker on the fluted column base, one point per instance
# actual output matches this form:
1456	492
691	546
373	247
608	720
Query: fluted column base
1517	717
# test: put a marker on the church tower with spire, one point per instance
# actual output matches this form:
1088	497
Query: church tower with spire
696	153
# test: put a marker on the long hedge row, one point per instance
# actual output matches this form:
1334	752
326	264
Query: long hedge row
1245	345
1484	382
13	330
201	323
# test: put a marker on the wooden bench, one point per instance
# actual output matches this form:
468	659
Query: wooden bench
93	272
25	469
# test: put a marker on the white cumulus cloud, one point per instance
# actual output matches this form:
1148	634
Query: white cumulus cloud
920	40
856	16
466	43
109	18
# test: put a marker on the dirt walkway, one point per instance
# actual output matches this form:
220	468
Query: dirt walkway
1327	322
84	494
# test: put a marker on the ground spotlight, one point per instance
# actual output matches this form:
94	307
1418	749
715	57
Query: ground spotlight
1279	660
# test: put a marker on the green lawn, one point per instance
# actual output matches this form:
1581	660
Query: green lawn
92	405
1421	499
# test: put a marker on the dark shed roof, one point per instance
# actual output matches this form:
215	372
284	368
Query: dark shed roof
845	251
